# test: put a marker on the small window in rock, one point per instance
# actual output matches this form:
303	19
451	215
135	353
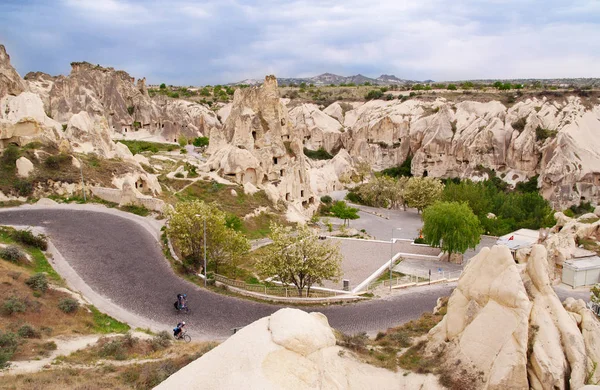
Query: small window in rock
282	122
136	185
254	135
424	173
163	125
175	140
274	160
287	196
302	193
281	172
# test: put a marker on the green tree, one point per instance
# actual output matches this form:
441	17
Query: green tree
186	228
421	192
341	210
595	293
374	94
163	86
451	87
364	170
451	226
297	257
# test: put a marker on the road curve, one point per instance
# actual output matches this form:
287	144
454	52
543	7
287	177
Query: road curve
122	261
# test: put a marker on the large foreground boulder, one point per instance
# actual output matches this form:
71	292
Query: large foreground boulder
506	327
291	349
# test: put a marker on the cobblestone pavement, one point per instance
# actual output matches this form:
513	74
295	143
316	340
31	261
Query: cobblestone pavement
122	261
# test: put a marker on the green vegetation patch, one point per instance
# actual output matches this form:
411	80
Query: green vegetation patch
320	154
144	146
103	323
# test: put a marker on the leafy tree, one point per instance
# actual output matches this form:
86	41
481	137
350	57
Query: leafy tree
205	92
163	86
451	87
297	257
383	191
363	169
200	141
451	226
595	293
477	195
186	228
421	192
341	210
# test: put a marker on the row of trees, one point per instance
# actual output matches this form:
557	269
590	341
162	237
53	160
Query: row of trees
297	257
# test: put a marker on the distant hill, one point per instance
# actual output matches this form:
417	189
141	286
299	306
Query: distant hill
330	78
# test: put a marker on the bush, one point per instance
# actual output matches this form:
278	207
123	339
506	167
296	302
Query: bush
179	175
520	124
38	282
326	199
12	253
419	240
542	134
12	305
183	141
374	94
113	349
353	197
23	187
26	237
320	154
27	331
451	87
10	156
161	341
55	162
8	346
201	141
68	305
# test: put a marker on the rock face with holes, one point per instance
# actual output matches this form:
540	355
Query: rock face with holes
123	103
555	139
290	349
258	145
506	328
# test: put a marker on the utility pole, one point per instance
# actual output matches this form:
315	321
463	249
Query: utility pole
82	182
392	254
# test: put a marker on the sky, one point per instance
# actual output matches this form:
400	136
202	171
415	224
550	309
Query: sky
187	42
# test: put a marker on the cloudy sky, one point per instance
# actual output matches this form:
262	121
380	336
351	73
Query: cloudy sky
187	42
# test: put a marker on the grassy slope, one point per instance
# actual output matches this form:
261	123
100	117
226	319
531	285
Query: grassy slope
42	311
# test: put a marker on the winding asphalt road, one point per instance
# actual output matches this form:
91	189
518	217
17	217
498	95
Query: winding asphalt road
122	261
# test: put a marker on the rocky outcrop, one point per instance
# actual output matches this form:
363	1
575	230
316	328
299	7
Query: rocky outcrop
23	120
506	328
555	139
290	349
10	81
258	145
123	103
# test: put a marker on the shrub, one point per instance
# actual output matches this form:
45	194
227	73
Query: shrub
183	141
374	94
8	346
26	237
12	305
179	175
326	199
113	348
356	342
201	141
23	187
419	240
38	282
519	125
12	253
55	162
27	331
320	154
451	87
10	156
161	341
68	305
542	134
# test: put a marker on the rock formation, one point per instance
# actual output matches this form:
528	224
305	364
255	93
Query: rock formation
10	81
290	349
258	145
506	328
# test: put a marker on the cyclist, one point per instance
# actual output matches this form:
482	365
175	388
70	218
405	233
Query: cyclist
178	330
181	298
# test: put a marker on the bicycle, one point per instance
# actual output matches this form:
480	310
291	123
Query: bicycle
184	336
185	309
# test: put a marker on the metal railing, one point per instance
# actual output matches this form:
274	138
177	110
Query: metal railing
276	291
415	276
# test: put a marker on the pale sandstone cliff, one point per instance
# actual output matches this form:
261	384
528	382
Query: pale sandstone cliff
506	328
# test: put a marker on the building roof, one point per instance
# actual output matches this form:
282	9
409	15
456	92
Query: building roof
583	263
518	239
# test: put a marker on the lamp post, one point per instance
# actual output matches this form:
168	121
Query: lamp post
392	240
204	232
82	182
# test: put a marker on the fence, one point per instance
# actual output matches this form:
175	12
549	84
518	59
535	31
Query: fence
415	276
277	291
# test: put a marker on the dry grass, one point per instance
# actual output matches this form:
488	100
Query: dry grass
40	311
107	376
